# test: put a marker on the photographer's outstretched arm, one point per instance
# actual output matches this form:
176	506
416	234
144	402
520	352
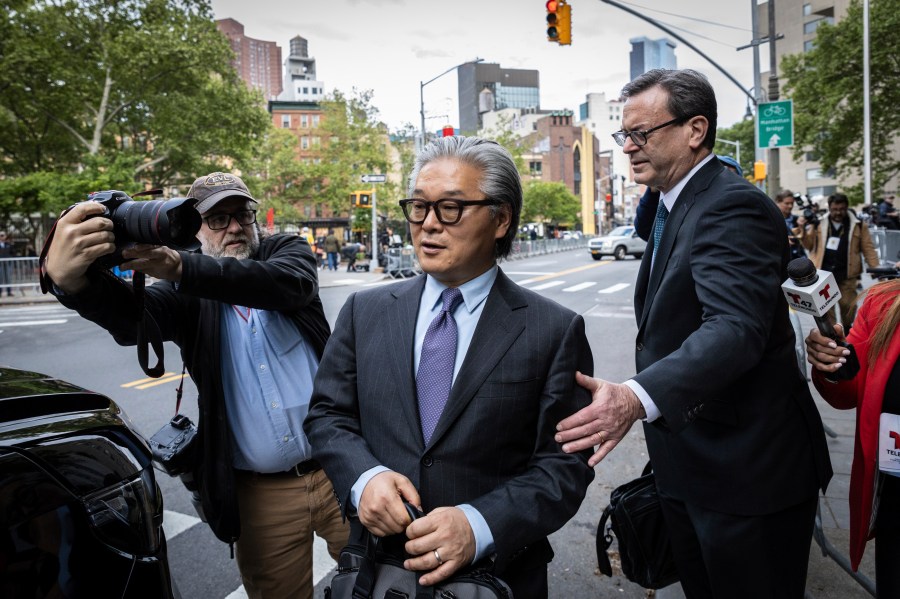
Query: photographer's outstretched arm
159	262
78	241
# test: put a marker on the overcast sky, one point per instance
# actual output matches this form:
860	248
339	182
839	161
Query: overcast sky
389	46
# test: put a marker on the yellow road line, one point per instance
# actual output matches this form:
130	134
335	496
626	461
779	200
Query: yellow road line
160	381
141	381
571	270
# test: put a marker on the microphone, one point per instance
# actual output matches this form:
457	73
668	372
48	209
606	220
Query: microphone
815	292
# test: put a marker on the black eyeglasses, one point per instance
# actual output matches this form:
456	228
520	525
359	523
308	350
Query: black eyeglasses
448	212
640	137
217	222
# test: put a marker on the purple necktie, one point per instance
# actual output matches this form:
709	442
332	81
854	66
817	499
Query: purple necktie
435	376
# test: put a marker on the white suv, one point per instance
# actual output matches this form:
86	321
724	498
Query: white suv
620	242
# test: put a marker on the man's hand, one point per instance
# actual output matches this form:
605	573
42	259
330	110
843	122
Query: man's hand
442	542
823	353
381	508
153	260
77	243
614	408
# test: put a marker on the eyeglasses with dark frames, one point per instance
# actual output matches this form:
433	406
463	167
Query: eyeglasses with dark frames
217	222
448	211
640	137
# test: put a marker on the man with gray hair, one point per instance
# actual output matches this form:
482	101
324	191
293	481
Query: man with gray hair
735	439
444	390
246	314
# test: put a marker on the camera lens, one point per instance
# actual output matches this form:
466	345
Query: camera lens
173	223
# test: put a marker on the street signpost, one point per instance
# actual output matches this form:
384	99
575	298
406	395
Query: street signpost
775	123
374	179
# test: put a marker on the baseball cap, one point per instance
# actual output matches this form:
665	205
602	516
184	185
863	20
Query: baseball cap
211	189
729	161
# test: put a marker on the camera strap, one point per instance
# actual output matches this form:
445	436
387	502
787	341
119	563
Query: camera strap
148	334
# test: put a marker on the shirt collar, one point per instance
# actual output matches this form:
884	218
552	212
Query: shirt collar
669	198
474	292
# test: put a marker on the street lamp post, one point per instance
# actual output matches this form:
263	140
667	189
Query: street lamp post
422	92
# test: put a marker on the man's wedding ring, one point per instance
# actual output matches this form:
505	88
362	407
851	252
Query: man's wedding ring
437	556
599	437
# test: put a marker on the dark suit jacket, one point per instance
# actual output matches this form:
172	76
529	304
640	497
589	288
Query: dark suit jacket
493	446
739	432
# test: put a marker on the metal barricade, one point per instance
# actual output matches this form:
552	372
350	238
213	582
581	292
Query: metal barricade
402	263
18	274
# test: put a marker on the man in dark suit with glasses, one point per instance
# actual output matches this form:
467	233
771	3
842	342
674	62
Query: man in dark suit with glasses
444	390
735	439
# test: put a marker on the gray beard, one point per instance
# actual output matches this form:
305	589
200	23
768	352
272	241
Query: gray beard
220	251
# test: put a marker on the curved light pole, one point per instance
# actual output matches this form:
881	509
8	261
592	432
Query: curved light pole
422	93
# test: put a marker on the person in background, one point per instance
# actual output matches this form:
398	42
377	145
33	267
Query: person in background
838	244
332	250
6	251
888	217
785	202
875	394
246	314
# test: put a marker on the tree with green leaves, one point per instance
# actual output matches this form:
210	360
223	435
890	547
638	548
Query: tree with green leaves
120	93
743	133
515	144
549	203
826	85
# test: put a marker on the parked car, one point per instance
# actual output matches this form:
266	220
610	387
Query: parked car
80	511
620	242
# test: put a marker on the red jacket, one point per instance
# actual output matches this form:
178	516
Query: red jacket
865	392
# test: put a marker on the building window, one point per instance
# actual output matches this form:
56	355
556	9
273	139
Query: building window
305	90
304	120
315	120
809	45
807	10
535	167
316	141
285	121
304	143
813	173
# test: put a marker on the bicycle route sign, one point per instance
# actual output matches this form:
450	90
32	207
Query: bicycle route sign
775	124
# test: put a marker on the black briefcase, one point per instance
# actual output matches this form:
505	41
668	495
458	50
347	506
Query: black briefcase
636	519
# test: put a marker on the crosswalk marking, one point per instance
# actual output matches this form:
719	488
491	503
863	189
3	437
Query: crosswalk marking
614	288
175	523
31	323
547	285
579	286
563	272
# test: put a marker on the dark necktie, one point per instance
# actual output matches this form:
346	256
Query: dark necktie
662	213
435	376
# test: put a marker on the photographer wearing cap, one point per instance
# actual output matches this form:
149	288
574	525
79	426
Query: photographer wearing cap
835	245
246	314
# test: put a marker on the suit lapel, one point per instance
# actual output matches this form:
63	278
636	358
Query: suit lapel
501	323
402	332
697	184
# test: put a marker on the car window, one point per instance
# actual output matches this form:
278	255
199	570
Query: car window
622	231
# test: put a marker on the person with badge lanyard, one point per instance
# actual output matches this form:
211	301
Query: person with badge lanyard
875	393
835	244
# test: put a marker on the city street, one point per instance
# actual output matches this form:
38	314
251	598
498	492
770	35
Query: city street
48	338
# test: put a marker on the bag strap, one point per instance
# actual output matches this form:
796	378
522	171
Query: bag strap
604	540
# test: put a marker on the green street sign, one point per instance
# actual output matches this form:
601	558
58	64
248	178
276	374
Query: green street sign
775	124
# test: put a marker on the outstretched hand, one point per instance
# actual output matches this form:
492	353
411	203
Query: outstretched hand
602	424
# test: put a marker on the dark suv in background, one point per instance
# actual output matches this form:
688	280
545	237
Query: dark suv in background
80	511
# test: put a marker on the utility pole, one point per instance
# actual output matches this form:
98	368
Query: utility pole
774	174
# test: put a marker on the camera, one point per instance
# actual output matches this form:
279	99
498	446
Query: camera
810	209
172	223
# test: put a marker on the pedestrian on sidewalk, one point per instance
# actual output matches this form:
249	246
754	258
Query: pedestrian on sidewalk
6	252
875	393
734	437
332	249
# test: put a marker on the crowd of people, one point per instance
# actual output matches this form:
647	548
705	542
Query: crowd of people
307	430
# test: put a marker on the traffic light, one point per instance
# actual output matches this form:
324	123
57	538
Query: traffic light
361	199
759	170
552	21
564	24
609	197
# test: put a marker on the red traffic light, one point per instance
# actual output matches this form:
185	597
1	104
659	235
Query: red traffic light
447	131
609	197
552	5
552	20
